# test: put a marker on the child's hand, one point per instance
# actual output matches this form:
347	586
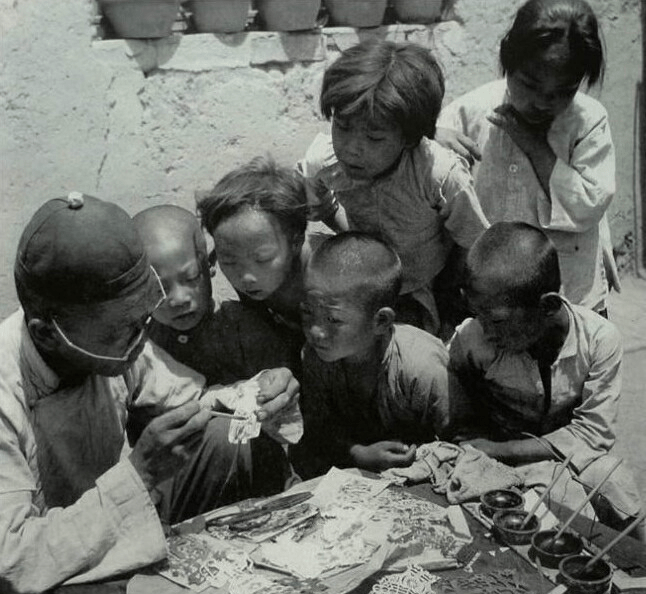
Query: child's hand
383	455
321	205
459	143
530	139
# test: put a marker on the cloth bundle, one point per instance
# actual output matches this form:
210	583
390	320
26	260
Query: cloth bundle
462	473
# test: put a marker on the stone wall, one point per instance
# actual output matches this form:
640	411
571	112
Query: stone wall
143	123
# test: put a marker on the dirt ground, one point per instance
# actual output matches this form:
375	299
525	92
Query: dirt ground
628	310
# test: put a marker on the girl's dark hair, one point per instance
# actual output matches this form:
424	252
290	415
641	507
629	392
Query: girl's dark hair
540	24
399	82
260	185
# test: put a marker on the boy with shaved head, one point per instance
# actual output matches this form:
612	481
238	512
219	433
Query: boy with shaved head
543	375
371	389
227	345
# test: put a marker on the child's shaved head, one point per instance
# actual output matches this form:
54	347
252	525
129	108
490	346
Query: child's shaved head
517	258
167	222
176	248
370	268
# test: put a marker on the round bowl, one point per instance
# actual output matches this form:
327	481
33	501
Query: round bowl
507	524
597	580
500	500
551	552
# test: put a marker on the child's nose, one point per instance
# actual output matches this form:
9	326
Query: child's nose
354	147
248	277
317	332
178	295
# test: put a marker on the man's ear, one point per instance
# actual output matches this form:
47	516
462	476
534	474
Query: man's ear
550	303
383	320
43	333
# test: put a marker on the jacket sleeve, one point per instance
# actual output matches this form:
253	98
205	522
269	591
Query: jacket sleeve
111	529
582	188
591	432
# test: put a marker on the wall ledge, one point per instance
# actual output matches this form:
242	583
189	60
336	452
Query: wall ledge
206	51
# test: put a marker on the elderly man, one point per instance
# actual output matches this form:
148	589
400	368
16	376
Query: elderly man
75	501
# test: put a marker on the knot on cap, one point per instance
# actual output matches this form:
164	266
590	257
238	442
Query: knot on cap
75	200
79	249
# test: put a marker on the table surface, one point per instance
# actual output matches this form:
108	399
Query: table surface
628	554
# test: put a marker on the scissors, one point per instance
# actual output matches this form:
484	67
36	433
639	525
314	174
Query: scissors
260	510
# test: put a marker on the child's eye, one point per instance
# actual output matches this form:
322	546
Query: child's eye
375	138
333	320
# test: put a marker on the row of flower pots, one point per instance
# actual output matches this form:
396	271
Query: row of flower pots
155	18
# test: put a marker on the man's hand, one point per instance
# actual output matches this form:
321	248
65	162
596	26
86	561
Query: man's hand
383	455
168	442
459	143
278	390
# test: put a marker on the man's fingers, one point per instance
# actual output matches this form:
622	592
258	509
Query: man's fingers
177	416
175	433
276	404
275	382
497	121
472	148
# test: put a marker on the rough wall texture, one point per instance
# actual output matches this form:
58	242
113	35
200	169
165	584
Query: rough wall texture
149	122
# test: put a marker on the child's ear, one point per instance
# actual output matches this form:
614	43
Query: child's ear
550	303
383	320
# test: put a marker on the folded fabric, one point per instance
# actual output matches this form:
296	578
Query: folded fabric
433	462
476	473
462	473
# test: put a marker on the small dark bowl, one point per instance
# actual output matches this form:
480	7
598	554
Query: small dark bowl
595	581
552	552
507	523
500	500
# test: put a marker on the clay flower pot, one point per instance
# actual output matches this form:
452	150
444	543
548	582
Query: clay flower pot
288	15
356	13
219	16
141	19
418	11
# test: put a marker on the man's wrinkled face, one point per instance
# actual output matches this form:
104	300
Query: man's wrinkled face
106	338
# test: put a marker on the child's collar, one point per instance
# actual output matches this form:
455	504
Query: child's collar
551	346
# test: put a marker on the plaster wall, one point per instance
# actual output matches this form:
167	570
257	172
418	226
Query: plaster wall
143	123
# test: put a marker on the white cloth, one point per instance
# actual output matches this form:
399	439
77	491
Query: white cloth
582	184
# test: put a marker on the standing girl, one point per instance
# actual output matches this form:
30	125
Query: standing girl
542	149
